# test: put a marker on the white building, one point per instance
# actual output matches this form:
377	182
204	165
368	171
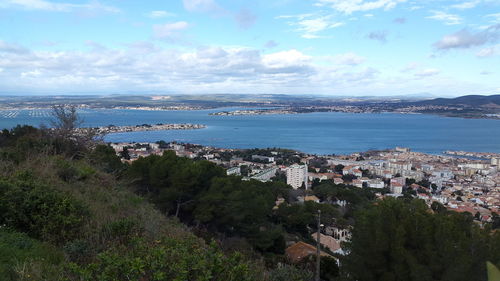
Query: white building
266	174
376	184
296	175
495	161
233	171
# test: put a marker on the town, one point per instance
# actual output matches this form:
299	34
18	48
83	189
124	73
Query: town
459	184
145	127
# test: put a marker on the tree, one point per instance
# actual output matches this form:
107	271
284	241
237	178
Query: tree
401	240
67	135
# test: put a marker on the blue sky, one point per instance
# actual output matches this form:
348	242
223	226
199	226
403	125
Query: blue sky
326	47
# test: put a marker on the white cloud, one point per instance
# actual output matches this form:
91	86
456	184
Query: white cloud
448	19
466	5
495	17
144	67
6	47
201	5
160	14
348	59
467	39
489	51
427	72
350	6
58	6
169	30
284	59
310	25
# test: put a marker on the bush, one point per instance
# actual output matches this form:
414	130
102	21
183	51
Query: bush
40	211
166	259
18	251
290	273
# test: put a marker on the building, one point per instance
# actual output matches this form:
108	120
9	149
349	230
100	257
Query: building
263	158
266	174
495	161
300	250
296	175
396	188
375	183
234	171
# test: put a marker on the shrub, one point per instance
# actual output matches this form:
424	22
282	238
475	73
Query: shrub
165	259
40	211
17	251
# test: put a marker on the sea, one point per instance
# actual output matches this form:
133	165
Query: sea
323	133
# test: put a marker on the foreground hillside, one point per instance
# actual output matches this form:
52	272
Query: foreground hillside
70	210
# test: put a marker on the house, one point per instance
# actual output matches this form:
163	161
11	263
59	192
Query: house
338	181
357	183
233	171
396	188
328	241
311	198
300	250
357	173
376	184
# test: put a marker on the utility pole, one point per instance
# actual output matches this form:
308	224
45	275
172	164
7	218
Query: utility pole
318	251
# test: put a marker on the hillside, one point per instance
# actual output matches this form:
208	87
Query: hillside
468	101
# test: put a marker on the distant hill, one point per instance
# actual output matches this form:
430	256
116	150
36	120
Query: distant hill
470	101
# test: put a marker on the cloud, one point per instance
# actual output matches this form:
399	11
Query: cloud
351	6
466	39
245	18
448	19
142	66
400	20
311	25
271	44
348	59
380	35
201	6
489	51
466	5
169	31
58	6
160	14
427	72
495	17
6	47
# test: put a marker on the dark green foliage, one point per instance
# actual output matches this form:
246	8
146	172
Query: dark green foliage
123	230
77	250
40	211
17	250
290	273
329	269
243	208
165	259
400	240
356	198
105	158
297	217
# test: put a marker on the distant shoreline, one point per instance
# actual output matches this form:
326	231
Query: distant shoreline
147	127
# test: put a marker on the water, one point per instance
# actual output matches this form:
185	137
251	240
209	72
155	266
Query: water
320	133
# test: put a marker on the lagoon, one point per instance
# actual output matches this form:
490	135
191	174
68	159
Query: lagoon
318	133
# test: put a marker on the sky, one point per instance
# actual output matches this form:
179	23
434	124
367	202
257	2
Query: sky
307	47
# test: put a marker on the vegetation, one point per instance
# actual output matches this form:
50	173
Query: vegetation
403	240
70	210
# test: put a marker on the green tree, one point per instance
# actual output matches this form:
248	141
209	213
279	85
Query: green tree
402	240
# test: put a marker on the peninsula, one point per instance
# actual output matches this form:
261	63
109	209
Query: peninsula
147	127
